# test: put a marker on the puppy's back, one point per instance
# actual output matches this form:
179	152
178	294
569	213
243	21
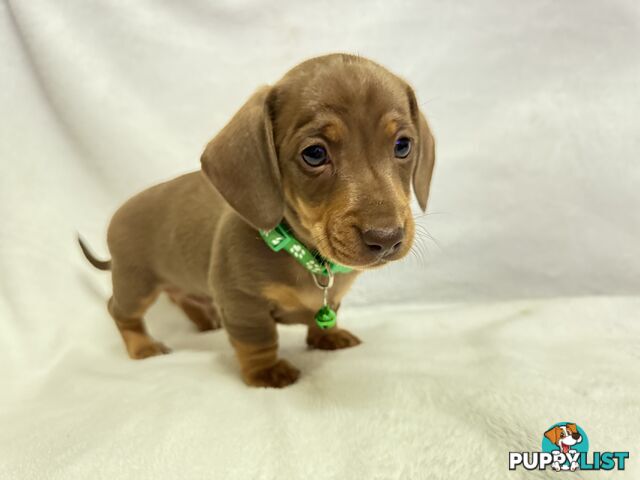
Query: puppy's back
168	231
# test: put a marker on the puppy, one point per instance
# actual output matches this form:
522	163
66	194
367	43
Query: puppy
565	437
330	152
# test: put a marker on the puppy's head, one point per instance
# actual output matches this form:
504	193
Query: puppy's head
333	148
564	436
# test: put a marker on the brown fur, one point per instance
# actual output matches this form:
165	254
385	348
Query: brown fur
332	339
196	236
198	309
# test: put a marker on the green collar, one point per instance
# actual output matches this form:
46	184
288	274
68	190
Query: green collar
280	238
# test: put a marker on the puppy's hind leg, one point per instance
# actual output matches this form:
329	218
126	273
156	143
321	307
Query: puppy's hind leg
133	293
199	310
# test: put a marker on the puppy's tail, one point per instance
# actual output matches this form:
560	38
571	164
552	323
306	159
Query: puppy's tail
99	264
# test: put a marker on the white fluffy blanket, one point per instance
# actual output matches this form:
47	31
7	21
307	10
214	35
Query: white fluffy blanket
440	392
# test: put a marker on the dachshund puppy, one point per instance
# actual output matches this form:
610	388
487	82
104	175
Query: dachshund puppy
330	153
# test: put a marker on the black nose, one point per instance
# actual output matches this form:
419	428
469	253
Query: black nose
383	241
575	436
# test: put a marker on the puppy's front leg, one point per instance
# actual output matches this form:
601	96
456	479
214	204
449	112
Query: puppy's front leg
254	338
261	366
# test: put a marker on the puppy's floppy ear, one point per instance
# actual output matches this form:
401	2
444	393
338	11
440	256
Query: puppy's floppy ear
553	435
572	427
423	168
242	165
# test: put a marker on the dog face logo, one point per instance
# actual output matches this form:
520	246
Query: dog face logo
565	447
564	436
568	439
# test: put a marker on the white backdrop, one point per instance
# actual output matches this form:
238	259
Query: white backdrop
535	107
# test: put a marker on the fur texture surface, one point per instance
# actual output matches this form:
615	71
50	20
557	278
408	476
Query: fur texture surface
432	393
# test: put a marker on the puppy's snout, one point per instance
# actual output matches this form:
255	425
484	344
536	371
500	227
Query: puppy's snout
575	436
383	241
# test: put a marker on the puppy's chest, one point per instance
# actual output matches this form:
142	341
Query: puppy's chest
298	304
288	299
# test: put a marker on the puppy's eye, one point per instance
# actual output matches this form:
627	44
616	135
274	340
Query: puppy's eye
315	155
402	147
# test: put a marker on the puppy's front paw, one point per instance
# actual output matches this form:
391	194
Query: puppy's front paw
332	339
279	375
150	349
140	345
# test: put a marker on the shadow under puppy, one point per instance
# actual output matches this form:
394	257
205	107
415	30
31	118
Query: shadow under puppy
329	153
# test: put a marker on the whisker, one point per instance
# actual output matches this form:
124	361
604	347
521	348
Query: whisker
427	214
418	254
413	254
428	100
422	232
